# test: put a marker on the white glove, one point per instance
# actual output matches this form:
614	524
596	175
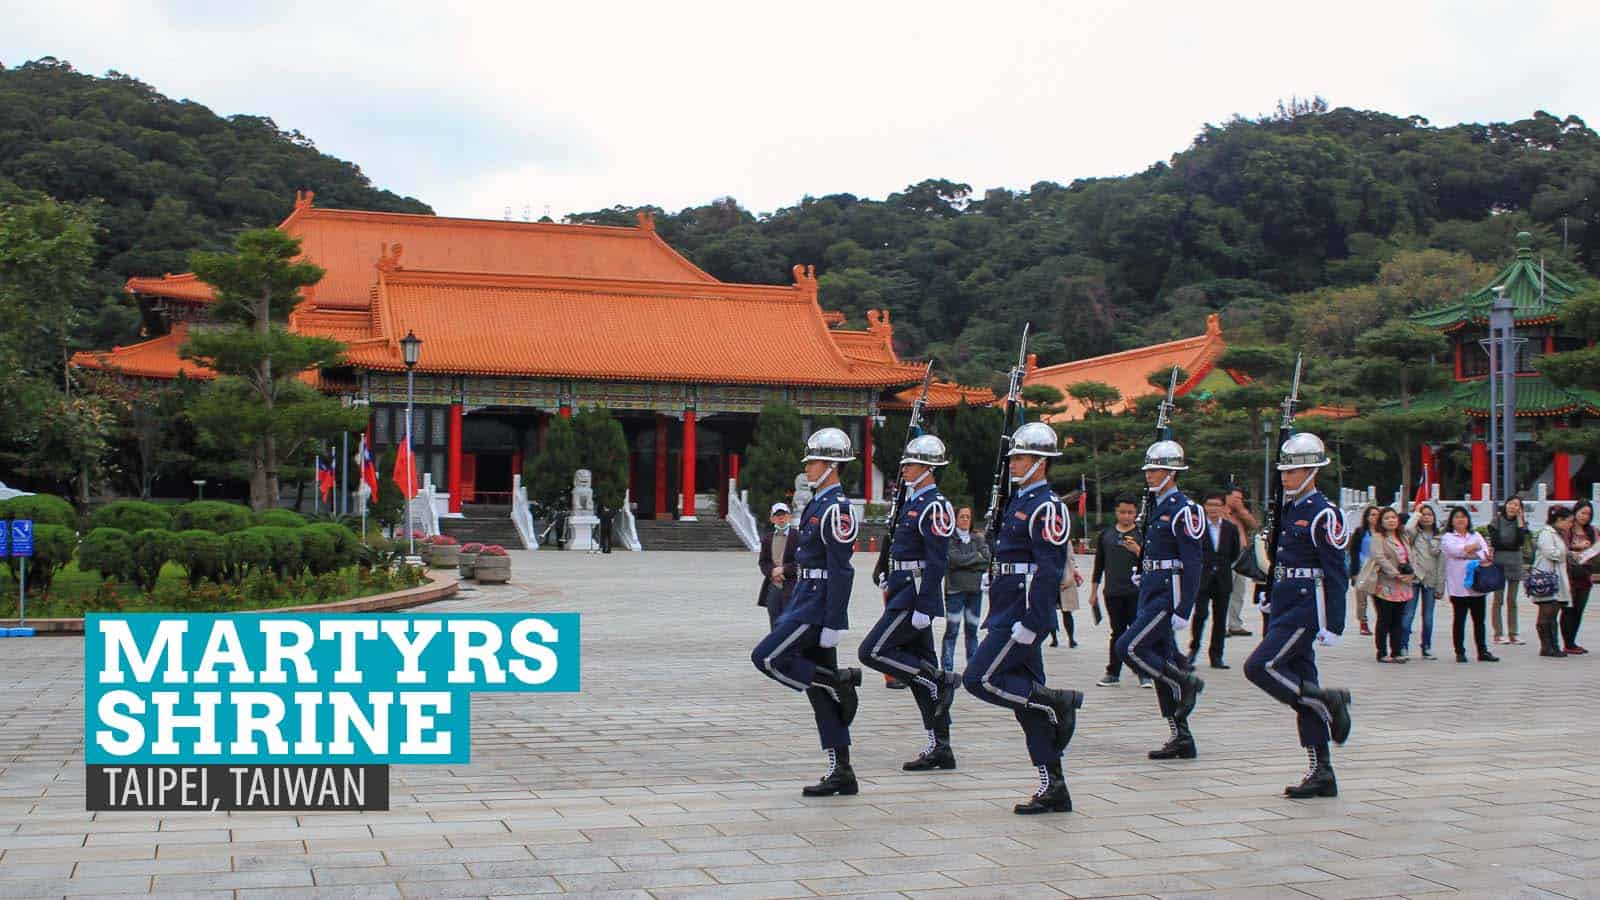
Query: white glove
1179	624
920	621
1327	638
829	638
1022	635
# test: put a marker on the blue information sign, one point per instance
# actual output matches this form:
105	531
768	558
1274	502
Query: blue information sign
21	543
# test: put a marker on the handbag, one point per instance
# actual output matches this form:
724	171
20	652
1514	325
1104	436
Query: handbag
1367	578
1485	578
1541	585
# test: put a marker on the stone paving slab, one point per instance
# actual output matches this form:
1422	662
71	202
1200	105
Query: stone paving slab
676	773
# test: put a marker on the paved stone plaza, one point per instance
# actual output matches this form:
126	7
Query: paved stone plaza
677	773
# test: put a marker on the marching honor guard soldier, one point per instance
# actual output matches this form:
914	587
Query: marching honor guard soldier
1169	580
901	643
801	652
1307	608
1025	581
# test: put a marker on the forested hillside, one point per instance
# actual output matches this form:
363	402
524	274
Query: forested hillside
161	177
1253	213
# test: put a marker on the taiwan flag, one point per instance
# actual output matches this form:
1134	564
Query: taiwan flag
324	479
405	468
369	471
1083	496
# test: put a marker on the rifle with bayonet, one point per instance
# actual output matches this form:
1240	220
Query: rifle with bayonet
880	571
1000	493
1163	433
1267	539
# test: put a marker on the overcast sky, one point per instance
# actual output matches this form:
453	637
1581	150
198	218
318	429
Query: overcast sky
473	107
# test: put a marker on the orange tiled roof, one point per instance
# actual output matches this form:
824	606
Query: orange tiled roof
1130	370
941	395
155	358
347	243
562	327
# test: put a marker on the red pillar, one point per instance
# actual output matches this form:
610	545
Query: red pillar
661	468
566	411
733	468
453	447
1456	348
1480	469
1550	343
688	466
866	455
1562	476
516	463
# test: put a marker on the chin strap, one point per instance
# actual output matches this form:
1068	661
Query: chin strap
1305	487
924	477
1165	483
1026	476
832	468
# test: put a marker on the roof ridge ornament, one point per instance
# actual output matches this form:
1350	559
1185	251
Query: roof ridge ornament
303	199
805	279
647	220
389	256
878	323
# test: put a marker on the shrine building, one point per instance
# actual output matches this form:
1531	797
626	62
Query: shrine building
524	321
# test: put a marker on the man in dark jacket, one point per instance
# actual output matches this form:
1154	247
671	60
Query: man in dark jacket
1219	547
777	564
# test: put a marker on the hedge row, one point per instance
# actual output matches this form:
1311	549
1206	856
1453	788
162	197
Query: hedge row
207	556
132	516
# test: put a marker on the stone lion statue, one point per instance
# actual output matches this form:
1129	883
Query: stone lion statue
583	491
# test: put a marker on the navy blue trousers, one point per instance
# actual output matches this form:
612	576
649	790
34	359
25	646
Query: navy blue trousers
1151	649
790	656
1004	672
1285	659
896	647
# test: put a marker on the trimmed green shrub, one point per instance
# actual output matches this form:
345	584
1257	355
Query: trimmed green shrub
152	549
328	547
249	551
218	516
280	518
53	548
131	516
203	554
43	509
288	555
108	551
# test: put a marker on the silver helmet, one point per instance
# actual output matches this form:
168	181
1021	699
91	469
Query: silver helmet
924	450
1302	451
1034	439
1165	455
829	445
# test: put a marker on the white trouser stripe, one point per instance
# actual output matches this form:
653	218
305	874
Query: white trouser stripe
1316	706
1138	661
1322	609
766	664
915	673
994	689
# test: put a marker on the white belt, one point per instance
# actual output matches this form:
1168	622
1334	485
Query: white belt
1152	565
1006	568
1286	572
814	573
908	565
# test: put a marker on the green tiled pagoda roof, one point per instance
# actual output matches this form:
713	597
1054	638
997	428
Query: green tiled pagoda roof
1521	281
1536	396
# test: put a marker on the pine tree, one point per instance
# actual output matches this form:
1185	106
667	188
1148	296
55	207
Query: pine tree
773	458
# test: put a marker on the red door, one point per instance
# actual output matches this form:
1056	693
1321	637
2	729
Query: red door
469	477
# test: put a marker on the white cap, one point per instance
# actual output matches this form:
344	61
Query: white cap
779	507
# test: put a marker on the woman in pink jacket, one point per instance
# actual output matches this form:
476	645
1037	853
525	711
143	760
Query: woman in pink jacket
1459	546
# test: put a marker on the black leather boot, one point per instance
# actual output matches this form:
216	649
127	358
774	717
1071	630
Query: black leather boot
839	779
937	755
1337	700
843	683
1190	685
1064	704
1319	780
1052	795
949	685
1180	745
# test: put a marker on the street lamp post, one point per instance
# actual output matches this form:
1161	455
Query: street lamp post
410	349
200	488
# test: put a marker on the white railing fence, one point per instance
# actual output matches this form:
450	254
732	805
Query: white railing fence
626	530
744	522
522	513
422	513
